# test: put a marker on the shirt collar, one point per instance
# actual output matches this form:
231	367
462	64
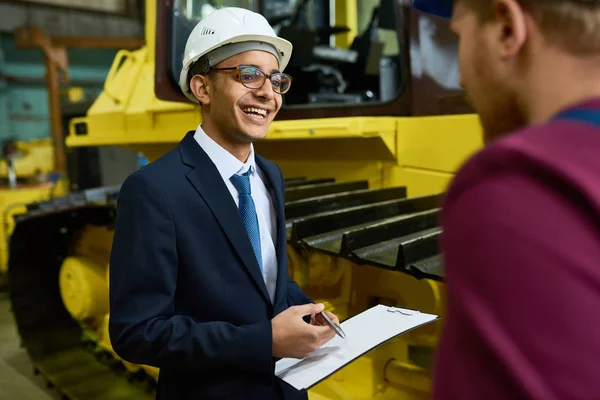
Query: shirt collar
226	163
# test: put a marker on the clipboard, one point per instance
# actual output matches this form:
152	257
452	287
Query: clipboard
364	332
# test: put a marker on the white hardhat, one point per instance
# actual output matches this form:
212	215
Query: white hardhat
225	33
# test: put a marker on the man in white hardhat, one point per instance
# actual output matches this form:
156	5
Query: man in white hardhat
199	283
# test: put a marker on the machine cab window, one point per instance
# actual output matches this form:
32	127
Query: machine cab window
346	53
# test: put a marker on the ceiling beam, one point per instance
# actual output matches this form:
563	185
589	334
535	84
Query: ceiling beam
29	37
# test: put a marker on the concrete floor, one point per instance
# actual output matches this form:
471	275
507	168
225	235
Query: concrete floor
17	380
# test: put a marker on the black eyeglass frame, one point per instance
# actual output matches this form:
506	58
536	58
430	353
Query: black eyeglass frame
263	73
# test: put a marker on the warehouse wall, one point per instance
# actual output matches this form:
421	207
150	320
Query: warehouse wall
61	21
24	110
24	107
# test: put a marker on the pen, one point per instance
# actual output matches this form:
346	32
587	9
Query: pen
336	328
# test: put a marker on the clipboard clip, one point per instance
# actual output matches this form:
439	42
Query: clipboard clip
402	311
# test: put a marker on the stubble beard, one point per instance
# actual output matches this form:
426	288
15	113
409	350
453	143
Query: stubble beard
497	104
501	117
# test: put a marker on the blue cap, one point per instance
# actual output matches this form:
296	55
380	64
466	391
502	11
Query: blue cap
441	8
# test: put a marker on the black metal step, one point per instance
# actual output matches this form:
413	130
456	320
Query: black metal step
292	182
402	252
344	241
311	225
388	229
429	268
314	205
321	189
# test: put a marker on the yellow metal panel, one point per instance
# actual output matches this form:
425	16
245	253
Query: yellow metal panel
35	157
354	382
149	119
332	127
122	72
353	138
437	143
346	14
409	377
150	28
105	118
424	182
344	171
419	182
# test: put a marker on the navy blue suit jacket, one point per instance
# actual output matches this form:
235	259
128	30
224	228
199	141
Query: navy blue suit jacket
186	292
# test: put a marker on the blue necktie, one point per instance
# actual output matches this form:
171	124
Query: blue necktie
248	212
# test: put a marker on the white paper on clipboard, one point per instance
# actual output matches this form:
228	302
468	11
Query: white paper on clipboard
364	332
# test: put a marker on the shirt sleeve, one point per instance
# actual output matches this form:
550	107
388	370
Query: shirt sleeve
523	292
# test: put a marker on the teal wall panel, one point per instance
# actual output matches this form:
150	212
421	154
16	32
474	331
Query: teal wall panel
3	104
24	108
27	112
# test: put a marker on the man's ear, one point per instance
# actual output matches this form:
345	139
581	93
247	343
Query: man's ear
201	87
512	23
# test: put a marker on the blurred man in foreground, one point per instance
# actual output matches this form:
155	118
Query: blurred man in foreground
521	219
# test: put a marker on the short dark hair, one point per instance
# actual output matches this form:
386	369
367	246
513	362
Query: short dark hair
574	25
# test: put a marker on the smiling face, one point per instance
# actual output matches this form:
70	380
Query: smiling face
233	114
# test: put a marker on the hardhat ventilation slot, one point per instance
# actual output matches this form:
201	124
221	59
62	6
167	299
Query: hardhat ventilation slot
207	31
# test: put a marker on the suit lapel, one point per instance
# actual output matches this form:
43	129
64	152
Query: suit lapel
275	186
207	181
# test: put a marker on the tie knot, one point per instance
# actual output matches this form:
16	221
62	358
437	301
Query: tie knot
242	182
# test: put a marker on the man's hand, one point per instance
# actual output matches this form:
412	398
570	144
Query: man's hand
317	319
294	338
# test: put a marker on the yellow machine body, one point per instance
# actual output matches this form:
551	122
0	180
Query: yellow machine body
420	153
34	158
33	161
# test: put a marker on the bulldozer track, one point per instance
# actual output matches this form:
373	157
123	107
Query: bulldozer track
379	228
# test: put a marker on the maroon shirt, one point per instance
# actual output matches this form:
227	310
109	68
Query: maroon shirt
521	246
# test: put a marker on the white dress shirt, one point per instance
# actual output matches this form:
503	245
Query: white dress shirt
228	165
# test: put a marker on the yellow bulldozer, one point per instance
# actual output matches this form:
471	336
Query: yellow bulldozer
369	137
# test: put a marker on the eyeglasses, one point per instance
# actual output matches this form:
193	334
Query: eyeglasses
254	78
